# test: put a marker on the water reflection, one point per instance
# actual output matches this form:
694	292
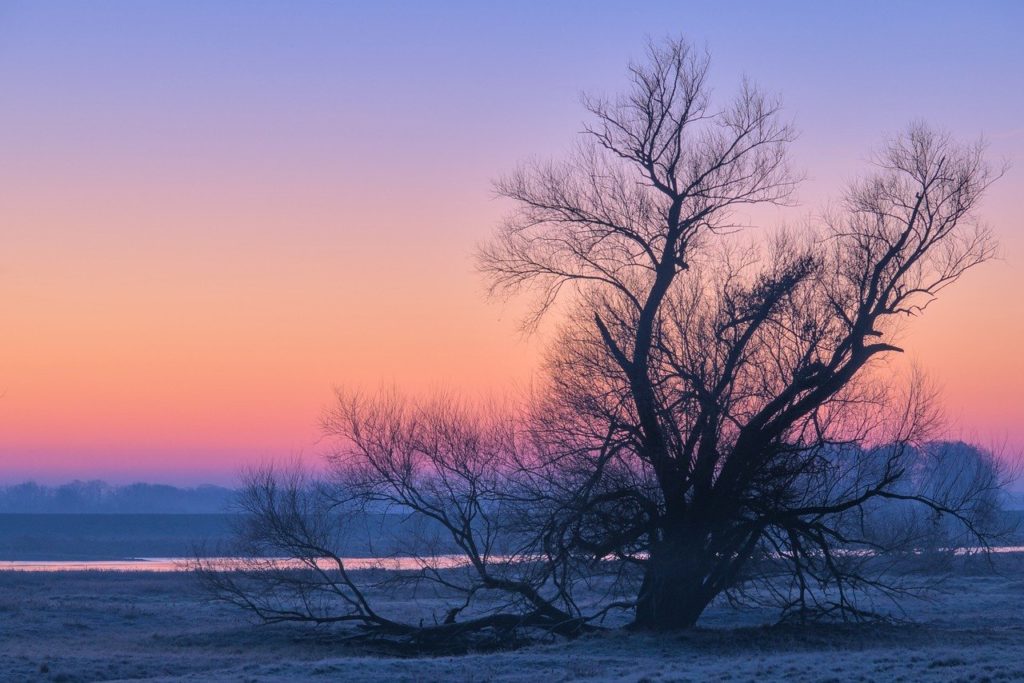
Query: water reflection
179	564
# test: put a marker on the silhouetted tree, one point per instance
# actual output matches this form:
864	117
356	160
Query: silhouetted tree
721	399
714	417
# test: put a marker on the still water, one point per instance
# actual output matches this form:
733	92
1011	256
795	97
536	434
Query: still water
179	564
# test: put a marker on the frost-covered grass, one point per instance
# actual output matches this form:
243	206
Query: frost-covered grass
86	626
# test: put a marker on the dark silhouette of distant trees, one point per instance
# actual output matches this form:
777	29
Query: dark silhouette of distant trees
101	497
715	417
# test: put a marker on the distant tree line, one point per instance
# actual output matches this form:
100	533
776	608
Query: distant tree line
100	497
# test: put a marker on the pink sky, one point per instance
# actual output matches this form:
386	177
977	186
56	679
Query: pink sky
212	216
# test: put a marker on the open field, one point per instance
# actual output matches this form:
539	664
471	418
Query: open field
91	626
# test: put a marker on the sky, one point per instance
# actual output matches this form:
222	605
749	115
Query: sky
213	213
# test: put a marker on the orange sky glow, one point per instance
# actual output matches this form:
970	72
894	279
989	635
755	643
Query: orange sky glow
202	236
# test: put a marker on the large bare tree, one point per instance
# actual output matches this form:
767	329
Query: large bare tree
716	414
723	396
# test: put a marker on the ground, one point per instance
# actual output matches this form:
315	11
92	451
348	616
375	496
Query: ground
99	626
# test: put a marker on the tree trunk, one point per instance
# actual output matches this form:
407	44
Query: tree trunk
674	591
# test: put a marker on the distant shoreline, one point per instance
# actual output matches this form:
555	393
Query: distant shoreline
99	497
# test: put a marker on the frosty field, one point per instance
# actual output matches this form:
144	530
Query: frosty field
93	626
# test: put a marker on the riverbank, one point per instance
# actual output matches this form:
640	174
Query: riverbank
92	626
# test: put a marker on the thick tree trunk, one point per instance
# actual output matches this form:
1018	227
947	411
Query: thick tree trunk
674	592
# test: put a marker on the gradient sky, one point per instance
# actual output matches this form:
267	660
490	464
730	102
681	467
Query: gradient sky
212	213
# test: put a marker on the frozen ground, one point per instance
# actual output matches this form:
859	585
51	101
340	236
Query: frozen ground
89	626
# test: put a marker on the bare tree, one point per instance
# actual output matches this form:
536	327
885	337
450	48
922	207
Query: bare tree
716	417
723	398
